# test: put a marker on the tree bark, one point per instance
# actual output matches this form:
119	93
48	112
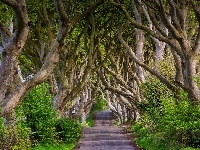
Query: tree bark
13	45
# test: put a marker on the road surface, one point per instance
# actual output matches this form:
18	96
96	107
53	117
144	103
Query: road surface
104	135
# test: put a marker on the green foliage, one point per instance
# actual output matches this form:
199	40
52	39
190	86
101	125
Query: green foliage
197	80
40	114
90	119
6	13
99	105
36	122
15	136
166	124
68	130
36	9
190	148
53	147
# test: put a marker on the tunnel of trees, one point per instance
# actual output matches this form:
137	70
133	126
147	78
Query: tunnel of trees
59	58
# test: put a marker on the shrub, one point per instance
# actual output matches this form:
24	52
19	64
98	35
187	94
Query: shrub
99	105
164	123
54	146
15	136
40	114
68	130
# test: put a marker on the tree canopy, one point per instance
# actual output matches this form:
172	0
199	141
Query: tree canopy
109	48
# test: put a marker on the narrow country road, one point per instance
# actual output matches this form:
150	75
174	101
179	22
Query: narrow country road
104	136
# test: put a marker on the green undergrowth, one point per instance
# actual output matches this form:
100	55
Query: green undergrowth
167	123
37	125
117	122
90	120
189	148
99	105
62	146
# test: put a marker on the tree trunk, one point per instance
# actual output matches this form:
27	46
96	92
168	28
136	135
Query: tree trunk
193	89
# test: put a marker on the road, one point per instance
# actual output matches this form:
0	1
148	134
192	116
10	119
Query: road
104	135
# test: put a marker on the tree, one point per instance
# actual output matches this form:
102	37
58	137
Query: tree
75	68
12	50
181	19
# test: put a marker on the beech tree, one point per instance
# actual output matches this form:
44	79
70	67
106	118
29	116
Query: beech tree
181	20
121	85
47	45
12	47
117	74
75	68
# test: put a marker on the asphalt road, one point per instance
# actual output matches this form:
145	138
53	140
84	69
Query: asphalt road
104	135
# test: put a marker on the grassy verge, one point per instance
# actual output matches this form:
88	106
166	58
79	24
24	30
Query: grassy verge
54	147
90	119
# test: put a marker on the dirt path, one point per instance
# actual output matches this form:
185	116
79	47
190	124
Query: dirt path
104	136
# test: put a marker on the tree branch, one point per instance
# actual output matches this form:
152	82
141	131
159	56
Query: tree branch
88	11
146	67
139	25
168	24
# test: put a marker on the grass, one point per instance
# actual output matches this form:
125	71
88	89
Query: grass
90	120
53	147
189	148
